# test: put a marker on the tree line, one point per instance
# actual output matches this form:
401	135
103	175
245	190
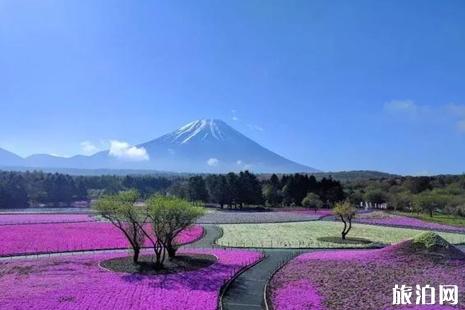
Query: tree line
435	194
24	189
29	189
444	193
244	189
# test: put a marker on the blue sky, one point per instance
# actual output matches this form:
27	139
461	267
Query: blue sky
337	85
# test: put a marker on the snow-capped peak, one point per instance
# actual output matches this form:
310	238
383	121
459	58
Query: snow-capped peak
201	129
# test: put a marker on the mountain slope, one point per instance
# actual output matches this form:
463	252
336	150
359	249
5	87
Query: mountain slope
214	146
9	159
200	146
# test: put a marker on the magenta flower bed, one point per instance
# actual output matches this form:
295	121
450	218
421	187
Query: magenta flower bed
296	295
9	219
40	238
359	279
405	221
79	283
318	214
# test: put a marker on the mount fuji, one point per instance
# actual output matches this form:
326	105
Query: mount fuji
207	145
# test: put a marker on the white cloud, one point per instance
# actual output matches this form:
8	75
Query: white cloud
88	148
243	165
401	106
255	127
125	151
461	126
444	114
421	173
213	162
457	110
234	116
58	155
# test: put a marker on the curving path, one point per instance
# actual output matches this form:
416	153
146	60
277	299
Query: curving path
211	233
246	291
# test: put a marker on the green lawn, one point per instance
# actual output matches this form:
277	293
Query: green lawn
447	219
306	234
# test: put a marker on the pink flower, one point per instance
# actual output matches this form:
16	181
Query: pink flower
40	238
64	283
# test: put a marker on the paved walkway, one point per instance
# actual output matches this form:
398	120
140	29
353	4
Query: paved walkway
247	290
211	234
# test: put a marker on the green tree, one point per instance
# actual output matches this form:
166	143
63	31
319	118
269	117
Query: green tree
355	197
430	201
346	213
271	194
217	189
401	201
250	191
169	216
232	189
417	185
376	196
197	191
120	210
313	201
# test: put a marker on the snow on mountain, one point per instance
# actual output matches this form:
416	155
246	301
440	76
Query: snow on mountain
203	129
206	145
211	145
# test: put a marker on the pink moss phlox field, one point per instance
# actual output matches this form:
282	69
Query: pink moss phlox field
10	219
297	295
46	238
361	279
79	283
318	214
405	221
190	234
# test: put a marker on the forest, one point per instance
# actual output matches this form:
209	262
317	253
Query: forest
435	194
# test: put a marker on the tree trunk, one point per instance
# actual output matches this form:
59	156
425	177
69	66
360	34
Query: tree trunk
350	226
135	257
430	212
171	251
159	254
344	233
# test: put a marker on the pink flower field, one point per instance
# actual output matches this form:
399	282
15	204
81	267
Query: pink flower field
11	219
79	283
46	238
381	218
359	279
318	214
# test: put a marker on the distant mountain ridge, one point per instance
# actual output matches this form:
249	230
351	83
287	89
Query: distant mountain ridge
207	145
9	158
